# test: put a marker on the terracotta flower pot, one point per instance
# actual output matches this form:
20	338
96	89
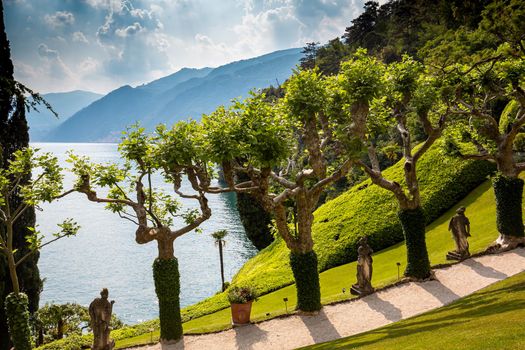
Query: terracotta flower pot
241	313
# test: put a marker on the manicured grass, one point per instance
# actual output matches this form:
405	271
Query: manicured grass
480	210
493	318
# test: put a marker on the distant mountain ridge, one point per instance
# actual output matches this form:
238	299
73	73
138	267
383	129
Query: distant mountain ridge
66	104
186	93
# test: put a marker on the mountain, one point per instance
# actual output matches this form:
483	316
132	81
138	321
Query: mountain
65	104
186	93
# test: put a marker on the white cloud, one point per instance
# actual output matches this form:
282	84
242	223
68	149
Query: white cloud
118	42
113	5
272	29
59	19
89	66
129	30
46	52
79	37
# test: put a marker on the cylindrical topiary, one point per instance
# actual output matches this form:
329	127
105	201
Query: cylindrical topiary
413	224
509	192
304	268
167	287
16	309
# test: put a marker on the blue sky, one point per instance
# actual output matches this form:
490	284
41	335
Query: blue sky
98	45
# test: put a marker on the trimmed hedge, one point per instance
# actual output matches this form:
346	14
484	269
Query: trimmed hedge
304	268
77	342
509	217
167	287
17	311
413	224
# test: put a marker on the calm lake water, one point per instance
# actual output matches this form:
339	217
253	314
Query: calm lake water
105	254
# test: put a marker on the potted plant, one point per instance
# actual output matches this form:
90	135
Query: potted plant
241	299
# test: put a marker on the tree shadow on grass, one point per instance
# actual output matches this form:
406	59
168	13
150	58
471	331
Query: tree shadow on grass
246	337
320	327
383	307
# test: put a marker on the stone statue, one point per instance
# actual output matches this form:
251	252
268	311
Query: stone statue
364	269
460	227
100	311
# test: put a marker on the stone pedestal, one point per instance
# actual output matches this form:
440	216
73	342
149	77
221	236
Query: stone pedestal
457	256
356	290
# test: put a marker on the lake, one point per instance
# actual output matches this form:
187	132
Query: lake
104	254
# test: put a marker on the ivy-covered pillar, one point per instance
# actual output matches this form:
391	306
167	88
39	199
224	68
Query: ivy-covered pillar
413	223
306	275
167	288
16	309
509	217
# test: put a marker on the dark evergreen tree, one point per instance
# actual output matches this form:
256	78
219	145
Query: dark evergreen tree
330	56
14	136
255	219
362	28
310	53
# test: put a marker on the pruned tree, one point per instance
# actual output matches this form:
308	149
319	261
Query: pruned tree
486	82
377	98
134	198
284	150
44	187
489	102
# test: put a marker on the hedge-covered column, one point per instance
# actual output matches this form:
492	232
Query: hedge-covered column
167	287
16	308
413	223
509	192
304	268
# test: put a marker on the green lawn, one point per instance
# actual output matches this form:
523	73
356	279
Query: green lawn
480	210
493	318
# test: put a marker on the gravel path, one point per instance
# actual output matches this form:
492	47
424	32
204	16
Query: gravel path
356	316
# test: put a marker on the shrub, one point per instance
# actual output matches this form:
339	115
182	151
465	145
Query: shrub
241	295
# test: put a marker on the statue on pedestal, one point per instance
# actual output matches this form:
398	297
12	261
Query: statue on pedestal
364	269
100	311
460	227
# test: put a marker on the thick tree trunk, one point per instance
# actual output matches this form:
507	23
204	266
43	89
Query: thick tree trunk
413	223
306	275
303	259
508	192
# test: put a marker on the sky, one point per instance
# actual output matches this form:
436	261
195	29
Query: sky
99	45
